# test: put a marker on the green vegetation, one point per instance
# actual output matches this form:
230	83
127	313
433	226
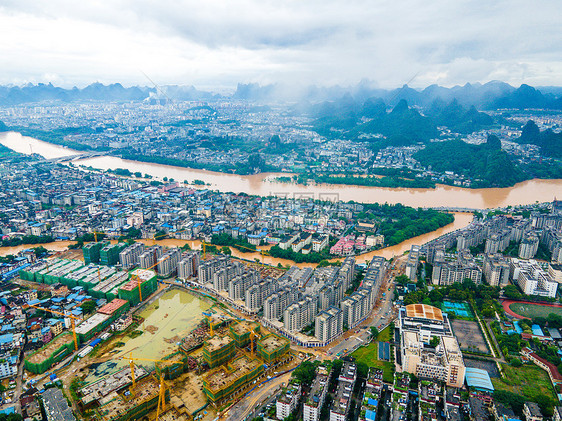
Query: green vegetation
530	383
57	136
352	180
86	238
510	345
27	239
399	223
487	164
368	355
402	126
483	297
457	118
135	333
256	163
312	257
7	153
10	417
238	243
40	251
548	141
306	372
122	172
88	306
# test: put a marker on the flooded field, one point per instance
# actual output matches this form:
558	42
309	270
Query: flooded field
166	320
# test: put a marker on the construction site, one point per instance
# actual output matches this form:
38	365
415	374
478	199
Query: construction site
185	357
42	359
214	364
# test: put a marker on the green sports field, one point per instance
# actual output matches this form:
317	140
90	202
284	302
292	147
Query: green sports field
534	310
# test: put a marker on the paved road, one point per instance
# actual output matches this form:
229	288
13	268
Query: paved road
381	315
249	403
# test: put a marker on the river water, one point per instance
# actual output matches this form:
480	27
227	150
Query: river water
461	220
523	193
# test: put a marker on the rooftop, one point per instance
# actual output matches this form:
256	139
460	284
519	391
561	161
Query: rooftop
217	342
56	406
91	323
143	274
317	387
112	306
479	379
222	377
271	343
424	311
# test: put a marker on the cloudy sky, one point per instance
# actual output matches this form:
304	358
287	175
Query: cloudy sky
218	43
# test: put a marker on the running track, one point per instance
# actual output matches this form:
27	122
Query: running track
507	303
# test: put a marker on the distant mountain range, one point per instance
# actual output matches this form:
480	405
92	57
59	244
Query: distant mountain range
491	95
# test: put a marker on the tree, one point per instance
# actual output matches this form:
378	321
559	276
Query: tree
511	292
402	279
374	332
516	362
305	373
256	163
434	341
40	251
88	306
226	250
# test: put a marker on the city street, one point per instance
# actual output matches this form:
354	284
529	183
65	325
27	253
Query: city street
248	403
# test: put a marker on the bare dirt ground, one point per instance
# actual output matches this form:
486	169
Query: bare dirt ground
468	334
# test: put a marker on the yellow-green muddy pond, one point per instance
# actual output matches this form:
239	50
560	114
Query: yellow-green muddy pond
166	320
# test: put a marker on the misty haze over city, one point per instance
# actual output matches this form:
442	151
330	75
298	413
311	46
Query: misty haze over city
217	44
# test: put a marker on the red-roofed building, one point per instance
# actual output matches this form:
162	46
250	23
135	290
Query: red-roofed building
115	307
551	369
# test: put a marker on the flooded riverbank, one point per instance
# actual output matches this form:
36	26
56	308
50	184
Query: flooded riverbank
527	192
461	221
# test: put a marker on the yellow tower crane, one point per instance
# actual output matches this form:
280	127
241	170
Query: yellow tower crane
209	315
72	321
261	252
162	390
253	336
137	278
96	235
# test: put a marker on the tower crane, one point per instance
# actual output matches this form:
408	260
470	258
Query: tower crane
162	391
261	252
72	321
208	315
204	245
148	268
253	336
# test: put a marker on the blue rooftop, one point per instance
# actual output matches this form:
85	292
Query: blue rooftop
479	379
370	415
537	331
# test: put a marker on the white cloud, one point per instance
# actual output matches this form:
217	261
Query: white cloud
222	42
